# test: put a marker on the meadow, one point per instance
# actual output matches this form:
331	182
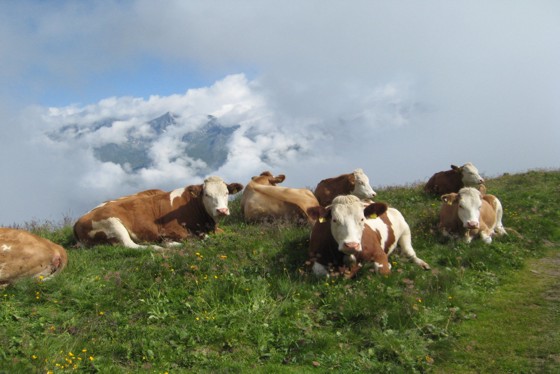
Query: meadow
245	300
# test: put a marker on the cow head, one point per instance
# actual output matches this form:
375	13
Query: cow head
215	195
267	178
469	175
347	217
469	202
362	188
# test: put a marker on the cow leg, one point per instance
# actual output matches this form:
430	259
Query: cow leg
405	244
500	230
114	229
486	235
468	237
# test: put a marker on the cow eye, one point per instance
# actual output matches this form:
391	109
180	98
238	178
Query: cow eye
335	220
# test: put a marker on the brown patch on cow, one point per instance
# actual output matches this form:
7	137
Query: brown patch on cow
391	233
329	188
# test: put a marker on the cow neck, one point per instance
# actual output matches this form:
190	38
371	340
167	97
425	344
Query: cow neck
196	219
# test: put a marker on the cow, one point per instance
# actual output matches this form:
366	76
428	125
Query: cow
263	200
453	180
23	254
157	217
355	183
471	213
350	233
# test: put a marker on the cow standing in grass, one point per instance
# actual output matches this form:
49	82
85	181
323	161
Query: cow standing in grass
469	213
349	234
157	217
23	254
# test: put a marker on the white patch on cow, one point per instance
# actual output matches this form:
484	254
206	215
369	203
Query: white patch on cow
215	197
320	270
403	236
362	188
175	193
470	202
113	228
470	175
6	248
347	223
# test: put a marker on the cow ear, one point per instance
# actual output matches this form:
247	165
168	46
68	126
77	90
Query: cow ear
318	213
456	168
278	179
449	198
234	188
374	210
195	191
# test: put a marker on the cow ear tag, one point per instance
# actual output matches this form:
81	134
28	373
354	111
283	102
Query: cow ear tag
449	202
372	216
322	220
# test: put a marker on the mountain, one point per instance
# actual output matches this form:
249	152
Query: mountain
209	143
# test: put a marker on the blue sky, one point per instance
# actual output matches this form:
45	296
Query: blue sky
400	89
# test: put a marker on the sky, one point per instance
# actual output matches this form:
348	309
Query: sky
401	89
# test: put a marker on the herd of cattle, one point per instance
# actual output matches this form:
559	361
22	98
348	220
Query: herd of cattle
348	229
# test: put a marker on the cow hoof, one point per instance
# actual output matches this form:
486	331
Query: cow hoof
425	266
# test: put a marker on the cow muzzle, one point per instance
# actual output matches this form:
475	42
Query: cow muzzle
222	212
471	225
351	248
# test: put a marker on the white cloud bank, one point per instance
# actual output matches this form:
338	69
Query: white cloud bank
400	89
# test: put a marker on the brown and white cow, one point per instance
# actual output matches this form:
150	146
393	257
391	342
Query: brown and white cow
23	254
470	213
153	216
350	233
453	180
355	183
263	200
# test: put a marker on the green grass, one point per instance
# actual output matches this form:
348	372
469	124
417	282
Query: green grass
245	301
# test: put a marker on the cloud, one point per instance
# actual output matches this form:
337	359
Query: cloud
400	89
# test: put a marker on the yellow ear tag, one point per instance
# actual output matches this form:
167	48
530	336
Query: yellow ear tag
372	216
449	202
322	220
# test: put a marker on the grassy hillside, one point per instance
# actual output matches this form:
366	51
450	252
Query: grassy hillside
244	300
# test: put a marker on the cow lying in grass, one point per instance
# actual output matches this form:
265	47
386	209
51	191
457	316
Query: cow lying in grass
468	213
23	254
263	200
453	180
349	234
155	216
355	183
